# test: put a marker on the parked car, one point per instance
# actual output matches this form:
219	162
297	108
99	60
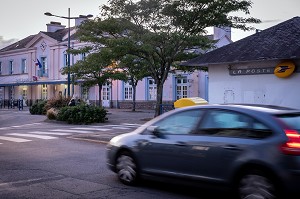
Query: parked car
252	150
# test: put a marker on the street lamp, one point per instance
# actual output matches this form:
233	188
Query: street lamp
69	34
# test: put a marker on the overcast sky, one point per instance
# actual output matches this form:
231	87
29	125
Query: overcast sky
21	18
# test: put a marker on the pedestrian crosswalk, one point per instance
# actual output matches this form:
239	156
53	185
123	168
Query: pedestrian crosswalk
52	134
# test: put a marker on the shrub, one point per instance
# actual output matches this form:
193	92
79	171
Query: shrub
38	108
57	103
52	114
82	114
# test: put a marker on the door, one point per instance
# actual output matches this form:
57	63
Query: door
106	95
169	153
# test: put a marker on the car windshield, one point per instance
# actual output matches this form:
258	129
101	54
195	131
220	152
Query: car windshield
292	120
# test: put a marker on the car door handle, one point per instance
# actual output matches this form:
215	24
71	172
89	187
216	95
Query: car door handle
232	147
181	144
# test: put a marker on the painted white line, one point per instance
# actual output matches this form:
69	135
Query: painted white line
44	137
128	124
71	131
25	125
49	133
121	128
12	139
92	129
20	126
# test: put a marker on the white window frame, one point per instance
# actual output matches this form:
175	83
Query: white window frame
128	91
152	89
23	66
44	91
182	87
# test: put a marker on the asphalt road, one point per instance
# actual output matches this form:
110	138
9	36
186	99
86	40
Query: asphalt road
52	164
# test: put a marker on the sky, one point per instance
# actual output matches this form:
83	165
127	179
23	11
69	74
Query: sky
21	18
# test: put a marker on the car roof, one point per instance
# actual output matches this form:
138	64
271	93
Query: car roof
270	109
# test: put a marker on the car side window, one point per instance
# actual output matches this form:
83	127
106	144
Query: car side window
179	123
232	124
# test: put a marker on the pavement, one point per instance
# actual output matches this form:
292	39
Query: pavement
114	117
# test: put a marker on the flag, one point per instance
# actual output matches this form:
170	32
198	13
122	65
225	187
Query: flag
38	63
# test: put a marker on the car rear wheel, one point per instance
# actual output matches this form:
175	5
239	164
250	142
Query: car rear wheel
255	185
126	169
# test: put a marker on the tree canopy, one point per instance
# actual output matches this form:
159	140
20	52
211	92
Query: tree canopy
159	32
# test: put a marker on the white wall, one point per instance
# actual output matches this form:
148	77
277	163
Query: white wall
254	89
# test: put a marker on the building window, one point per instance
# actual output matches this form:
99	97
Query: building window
11	67
24	66
152	89
0	68
127	91
44	68
181	87
83	56
106	91
44	91
65	60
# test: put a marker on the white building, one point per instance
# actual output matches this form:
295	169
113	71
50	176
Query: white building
260	69
21	76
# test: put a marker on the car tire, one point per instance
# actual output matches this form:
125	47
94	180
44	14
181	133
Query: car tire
256	185
126	169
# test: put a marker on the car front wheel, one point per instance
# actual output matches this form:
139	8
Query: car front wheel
126	169
255	185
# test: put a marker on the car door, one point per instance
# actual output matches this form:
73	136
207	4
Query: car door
165	153
227	136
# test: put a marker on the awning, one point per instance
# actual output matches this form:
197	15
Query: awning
18	80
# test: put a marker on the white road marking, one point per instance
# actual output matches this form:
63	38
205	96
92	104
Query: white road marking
92	129
120	127
128	124
44	137
49	133
71	131
12	139
20	126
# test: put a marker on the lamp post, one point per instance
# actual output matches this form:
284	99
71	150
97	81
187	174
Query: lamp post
69	34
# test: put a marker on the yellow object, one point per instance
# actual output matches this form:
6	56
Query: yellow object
284	69
189	102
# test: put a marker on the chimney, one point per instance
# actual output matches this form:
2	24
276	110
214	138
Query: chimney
221	31
54	26
80	19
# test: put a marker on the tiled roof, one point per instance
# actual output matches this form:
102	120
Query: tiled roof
281	41
57	35
19	44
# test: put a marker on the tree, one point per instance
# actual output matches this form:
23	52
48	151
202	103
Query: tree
160	31
96	69
136	70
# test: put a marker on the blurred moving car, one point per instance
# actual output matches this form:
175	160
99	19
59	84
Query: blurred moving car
252	150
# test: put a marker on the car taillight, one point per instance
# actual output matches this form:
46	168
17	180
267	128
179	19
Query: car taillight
292	146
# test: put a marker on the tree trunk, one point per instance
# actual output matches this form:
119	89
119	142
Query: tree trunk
100	95
133	96
159	96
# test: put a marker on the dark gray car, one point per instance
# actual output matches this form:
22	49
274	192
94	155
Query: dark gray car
252	150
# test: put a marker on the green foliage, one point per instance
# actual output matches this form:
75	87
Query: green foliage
159	32
38	108
82	114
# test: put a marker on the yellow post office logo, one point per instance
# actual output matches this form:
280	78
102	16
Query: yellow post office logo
284	69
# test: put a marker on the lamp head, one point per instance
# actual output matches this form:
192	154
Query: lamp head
48	14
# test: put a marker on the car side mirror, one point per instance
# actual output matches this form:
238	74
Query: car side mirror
154	130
